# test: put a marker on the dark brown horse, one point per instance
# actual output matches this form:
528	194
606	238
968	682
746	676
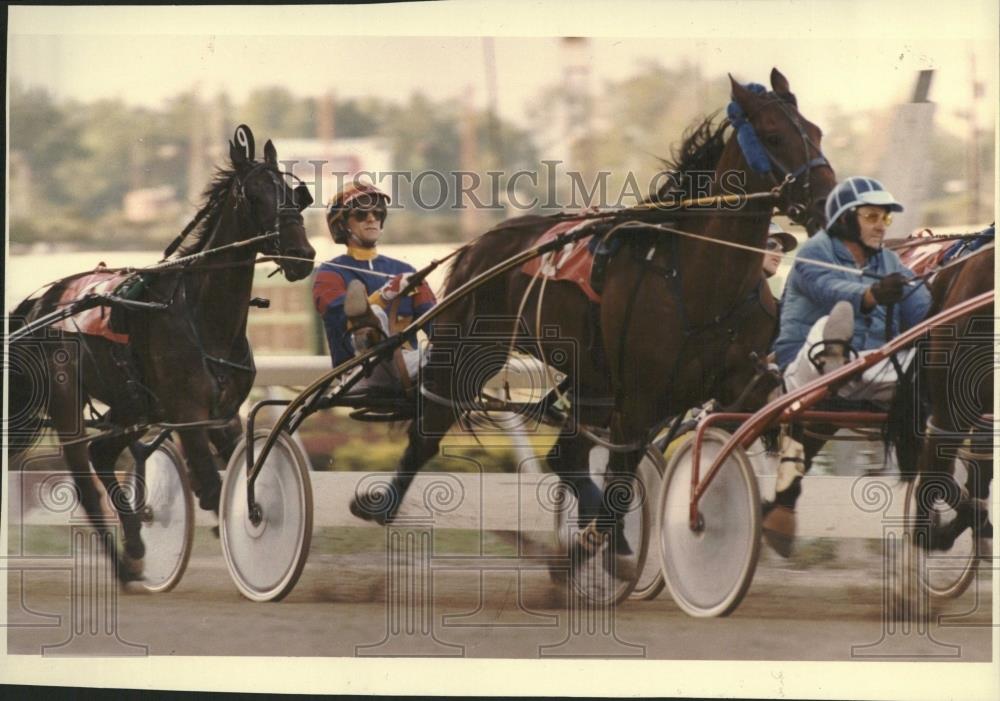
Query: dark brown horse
189	364
943	401
667	334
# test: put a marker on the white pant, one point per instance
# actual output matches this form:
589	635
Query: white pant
877	383
385	374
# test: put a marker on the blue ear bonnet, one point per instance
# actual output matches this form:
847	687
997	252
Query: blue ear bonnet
746	137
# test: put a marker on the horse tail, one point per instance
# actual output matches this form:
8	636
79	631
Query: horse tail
908	412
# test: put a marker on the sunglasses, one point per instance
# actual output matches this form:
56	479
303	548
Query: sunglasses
361	214
874	217
773	245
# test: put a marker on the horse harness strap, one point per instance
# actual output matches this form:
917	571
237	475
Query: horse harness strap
673	274
227	363
209	360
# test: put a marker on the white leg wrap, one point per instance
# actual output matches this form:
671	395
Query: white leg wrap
792	465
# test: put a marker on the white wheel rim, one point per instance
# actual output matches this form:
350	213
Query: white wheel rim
166	520
265	559
708	571
650	581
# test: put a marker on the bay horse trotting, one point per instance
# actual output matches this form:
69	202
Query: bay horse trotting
186	365
662	339
942	423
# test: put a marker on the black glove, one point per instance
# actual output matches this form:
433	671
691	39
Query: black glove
889	290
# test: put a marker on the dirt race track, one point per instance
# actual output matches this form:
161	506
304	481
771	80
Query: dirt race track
339	609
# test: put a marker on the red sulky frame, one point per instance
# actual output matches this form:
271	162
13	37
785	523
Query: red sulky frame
794	406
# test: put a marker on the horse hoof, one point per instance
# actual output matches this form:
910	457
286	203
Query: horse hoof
371	508
208	502
778	528
588	540
130	573
134	588
981	518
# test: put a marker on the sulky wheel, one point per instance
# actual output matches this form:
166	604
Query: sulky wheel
595	578
266	556
709	570
944	574
166	511
650	582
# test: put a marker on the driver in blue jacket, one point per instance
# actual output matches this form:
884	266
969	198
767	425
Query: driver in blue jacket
859	211
362	281
826	312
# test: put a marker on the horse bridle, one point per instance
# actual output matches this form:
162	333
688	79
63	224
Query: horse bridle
796	211
269	235
302	199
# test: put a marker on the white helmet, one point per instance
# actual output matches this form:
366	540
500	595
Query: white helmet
858	191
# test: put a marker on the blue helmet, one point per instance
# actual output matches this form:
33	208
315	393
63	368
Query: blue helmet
858	191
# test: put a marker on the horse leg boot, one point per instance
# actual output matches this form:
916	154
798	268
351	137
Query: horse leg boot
566	458
979	466
619	498
971	511
778	525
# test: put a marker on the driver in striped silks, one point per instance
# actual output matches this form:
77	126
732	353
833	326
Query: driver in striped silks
355	290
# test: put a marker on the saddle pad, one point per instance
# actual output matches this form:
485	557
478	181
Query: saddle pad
94	321
571	263
926	257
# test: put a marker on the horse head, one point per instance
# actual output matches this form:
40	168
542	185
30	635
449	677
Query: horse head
779	146
274	206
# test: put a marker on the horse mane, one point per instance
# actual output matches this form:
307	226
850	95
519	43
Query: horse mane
699	151
194	234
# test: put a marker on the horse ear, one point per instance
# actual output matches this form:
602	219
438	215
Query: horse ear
779	83
743	97
270	154
237	155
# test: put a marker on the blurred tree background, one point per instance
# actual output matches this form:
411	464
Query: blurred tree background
74	166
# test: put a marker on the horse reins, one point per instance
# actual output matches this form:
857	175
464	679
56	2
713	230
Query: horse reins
796	211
